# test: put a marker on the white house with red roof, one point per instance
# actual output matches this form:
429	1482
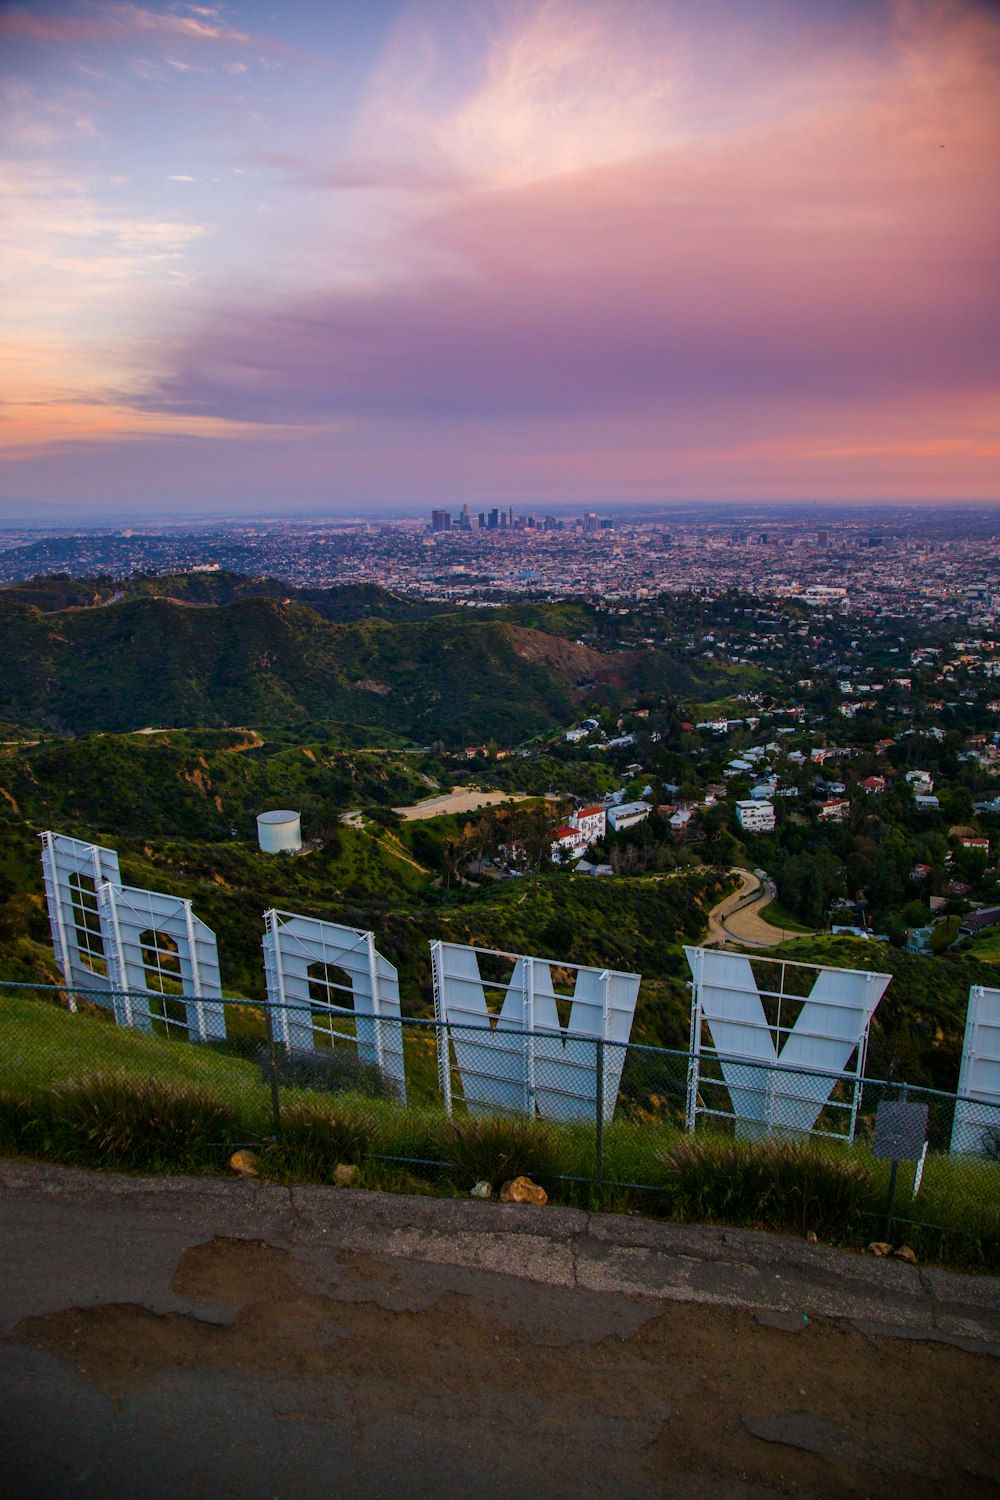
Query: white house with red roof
591	821
567	842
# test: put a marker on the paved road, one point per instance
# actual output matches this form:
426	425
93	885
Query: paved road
199	1337
737	917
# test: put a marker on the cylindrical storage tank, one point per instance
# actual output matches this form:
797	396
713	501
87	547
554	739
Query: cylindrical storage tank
279	832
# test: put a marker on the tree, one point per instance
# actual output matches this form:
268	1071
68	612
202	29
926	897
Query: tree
944	933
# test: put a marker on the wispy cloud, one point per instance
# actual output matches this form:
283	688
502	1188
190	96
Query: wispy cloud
838	251
582	242
112	23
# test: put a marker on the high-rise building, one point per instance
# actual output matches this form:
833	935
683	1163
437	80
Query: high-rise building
440	520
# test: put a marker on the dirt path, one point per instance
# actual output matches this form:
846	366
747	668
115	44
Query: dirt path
391	844
469	800
737	917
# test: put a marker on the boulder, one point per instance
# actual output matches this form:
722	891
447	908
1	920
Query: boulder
244	1163
880	1248
905	1253
481	1190
523	1190
345	1175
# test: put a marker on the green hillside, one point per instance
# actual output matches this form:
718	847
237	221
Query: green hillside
199	786
333	700
261	661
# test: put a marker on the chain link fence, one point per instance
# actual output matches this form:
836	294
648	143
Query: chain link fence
597	1123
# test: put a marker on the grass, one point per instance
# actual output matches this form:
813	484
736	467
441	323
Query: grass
786	1183
77	1089
779	916
985	945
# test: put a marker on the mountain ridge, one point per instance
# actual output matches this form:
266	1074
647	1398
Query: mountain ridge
149	659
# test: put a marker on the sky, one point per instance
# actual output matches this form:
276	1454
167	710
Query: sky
288	258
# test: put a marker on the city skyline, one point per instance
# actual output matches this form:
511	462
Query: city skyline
546	254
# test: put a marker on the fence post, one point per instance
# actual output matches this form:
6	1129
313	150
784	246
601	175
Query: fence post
272	1049
893	1170
599	1119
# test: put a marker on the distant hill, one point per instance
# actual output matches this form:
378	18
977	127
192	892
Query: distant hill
84	657
344	602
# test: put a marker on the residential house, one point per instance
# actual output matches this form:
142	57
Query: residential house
755	816
834	810
628	814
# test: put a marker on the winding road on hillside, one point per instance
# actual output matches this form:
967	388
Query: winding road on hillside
737	917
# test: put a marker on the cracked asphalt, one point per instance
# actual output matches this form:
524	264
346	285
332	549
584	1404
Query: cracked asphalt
196	1336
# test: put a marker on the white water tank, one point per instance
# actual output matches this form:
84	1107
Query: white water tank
279	832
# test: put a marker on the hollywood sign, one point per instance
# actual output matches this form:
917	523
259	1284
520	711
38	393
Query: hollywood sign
524	1059
976	1127
140	953
151	961
776	1047
786	1039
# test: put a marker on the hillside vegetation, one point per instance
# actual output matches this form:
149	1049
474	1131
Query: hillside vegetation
202	786
85	656
337	696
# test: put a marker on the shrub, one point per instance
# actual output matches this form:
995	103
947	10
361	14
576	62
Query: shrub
109	1119
21	1128
317	1134
774	1184
494	1148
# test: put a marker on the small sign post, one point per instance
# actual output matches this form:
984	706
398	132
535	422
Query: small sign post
900	1135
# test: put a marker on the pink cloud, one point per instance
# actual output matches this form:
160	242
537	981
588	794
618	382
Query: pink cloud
110	23
788	289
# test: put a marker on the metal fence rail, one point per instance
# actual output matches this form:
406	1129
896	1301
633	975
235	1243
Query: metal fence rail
612	1116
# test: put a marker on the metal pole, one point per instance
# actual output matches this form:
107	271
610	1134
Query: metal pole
599	1118
114	955
198	1028
889	1202
444	1060
56	917
528	1027
892	1176
273	1054
694	1046
376	1001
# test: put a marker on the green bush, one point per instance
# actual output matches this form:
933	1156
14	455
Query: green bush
111	1120
21	1130
494	1148
316	1135
772	1184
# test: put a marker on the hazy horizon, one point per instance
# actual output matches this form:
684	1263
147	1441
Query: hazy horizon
728	512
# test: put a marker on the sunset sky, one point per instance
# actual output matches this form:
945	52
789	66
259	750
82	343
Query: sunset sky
290	257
